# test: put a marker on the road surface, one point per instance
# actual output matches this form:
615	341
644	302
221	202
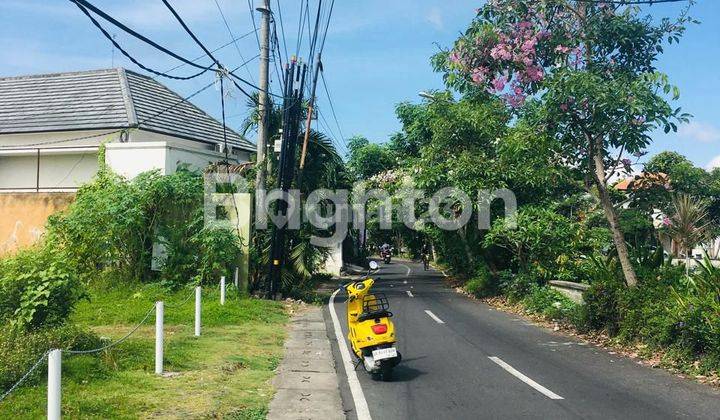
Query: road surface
465	360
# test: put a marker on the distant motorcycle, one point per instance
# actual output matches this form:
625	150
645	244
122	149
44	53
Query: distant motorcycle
386	255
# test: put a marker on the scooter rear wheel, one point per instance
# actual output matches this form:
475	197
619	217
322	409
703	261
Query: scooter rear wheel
386	372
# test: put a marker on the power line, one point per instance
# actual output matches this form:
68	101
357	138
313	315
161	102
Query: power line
232	41
232	36
332	107
221	68
131	58
87	5
252	19
190	32
282	28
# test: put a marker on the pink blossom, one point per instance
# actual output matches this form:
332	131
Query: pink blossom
562	49
666	221
479	75
499	83
564	107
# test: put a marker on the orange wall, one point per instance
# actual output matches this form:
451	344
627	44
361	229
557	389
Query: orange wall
23	217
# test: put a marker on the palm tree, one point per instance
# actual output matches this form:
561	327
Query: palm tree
689	225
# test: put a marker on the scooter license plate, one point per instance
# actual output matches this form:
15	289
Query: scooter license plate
382	354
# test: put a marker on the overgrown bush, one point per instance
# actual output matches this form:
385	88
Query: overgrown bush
549	303
19	350
114	224
483	283
38	288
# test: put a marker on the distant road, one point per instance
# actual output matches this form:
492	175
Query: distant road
465	360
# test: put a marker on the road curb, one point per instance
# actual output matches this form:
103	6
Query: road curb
307	382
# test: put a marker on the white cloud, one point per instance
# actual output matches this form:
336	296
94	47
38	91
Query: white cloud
435	18
699	131
715	163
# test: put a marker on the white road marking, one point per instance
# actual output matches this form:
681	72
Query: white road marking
514	372
407	268
361	407
434	317
409	293
404	281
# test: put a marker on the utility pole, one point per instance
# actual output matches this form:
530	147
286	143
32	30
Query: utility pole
292	106
263	102
311	109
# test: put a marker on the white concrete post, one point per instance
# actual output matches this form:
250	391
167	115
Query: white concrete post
53	386
237	278
198	297
222	290
159	335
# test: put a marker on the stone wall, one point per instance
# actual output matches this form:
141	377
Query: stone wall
23	216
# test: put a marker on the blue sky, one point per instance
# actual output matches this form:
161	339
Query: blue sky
377	55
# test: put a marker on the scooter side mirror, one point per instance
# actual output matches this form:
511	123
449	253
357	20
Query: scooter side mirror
374	265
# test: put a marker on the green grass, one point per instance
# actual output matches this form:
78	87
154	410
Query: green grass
225	373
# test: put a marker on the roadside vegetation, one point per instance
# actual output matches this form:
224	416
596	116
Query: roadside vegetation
556	101
91	280
225	372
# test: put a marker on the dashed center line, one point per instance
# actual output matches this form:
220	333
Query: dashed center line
409	293
514	372
434	317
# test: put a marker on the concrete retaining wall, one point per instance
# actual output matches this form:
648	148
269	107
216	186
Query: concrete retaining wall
574	291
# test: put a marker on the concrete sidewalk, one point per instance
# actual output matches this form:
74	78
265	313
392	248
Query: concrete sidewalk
307	383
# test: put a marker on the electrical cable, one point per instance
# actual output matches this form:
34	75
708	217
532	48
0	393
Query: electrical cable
252	19
150	42
232	36
332	107
282	28
130	57
232	41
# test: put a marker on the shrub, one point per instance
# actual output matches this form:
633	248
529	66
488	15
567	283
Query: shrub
516	287
20	350
483	283
38	288
114	223
549	303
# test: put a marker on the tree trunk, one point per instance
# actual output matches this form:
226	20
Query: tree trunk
611	215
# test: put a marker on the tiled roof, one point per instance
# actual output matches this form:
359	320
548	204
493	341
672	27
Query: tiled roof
103	99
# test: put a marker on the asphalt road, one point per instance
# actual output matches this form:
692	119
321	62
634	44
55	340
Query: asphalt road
465	360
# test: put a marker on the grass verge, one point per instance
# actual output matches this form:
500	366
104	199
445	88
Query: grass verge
225	373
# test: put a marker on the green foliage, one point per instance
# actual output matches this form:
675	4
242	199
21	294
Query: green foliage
19	350
38	288
483	283
543	300
113	225
366	159
539	239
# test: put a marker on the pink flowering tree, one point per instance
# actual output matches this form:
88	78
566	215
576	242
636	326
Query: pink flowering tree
582	72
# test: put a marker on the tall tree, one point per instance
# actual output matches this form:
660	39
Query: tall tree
581	72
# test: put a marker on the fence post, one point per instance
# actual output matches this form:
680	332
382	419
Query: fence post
54	384
159	335
198	297
222	290
237	278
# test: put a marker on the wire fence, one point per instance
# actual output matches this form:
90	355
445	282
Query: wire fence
111	345
27	374
105	347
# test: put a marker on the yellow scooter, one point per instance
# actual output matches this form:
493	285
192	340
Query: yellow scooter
371	333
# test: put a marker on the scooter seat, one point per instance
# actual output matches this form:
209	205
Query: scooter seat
375	314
